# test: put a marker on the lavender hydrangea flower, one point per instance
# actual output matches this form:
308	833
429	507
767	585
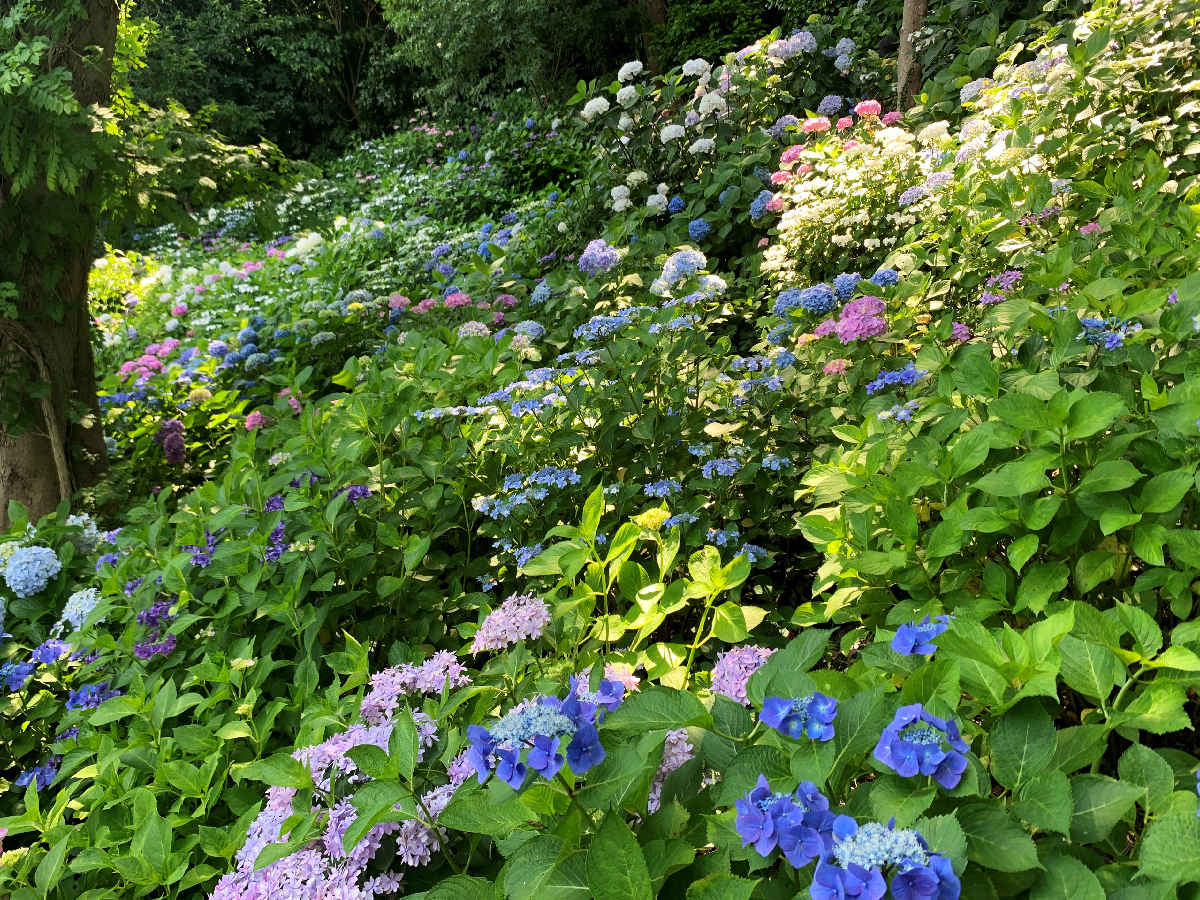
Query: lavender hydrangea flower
799	824
442	670
915	638
676	751
919	743
734	668
597	257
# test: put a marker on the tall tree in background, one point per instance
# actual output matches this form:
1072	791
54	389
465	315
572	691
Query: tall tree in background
55	72
908	68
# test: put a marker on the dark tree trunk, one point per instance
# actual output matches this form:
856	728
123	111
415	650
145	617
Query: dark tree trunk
908	69
63	452
656	18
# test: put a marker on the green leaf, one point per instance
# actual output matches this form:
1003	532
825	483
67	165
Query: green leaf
50	867
404	745
1021	549
388	535
1078	747
1040	583
1088	668
616	868
1023	411
1170	849
593	508
1158	708
721	887
1022	743
1142	766
471	810
610	781
152	842
373	802
783	675
944	835
1100	802
1162	493
462	887
545	869
658	708
1045	802
1110	475
1066	878
733	622
1092	413
280	770
994	840
903	798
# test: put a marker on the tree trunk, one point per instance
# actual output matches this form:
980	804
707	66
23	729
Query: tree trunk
656	17
63	452
908	70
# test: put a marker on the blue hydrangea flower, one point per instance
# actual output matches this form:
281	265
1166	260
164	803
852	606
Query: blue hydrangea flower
919	743
16	675
676	205
40	776
885	278
915	638
30	569
726	467
799	824
810	716
50	651
908	376
829	105
845	284
758	206
664	488
598	257
862	857
247	336
91	696
698	229
818	299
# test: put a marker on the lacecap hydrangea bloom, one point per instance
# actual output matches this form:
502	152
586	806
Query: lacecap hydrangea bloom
810	716
920	743
863	857
799	824
915	638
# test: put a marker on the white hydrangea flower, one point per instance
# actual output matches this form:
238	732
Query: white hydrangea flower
626	94
658	203
697	68
712	102
620	192
704	145
933	132
625	122
671	133
662	188
597	106
562	227
629	70
622	204
636	177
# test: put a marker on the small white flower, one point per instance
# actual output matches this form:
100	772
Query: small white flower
629	70
622	204
562	227
704	145
671	133
626	94
636	177
625	122
597	106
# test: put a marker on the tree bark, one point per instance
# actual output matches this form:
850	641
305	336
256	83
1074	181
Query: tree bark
63	452
656	17
908	69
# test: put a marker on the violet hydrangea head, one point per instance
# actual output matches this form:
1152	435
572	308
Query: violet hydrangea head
919	743
799	824
520	617
733	670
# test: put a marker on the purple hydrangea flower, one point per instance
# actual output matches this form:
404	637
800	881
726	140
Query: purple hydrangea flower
734	668
810	716
919	743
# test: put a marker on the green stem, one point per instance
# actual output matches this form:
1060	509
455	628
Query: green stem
696	644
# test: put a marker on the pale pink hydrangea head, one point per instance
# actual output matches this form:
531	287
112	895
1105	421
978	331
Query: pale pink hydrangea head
389	685
676	751
520	617
892	118
868	108
815	125
781	177
836	367
845	122
398	301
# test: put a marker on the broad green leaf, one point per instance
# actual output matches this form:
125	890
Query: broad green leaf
721	887
860	722
1093	568
1045	802
545	869
1158	708
471	810
733	622
994	840
1078	747
1170	849
1090	669
1040	584
616	868
658	708
280	770
1100	802
905	799
1066	878
1022	743
944	835
1162	493
1092	413
462	887
1142	766
1110	475
1021	549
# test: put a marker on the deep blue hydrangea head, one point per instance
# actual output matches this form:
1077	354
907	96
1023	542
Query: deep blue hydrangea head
810	716
919	743
233	359
907	376
816	299
676	205
844	285
15	676
799	824
257	322
40	776
763	174
885	278
698	229
915	638
247	336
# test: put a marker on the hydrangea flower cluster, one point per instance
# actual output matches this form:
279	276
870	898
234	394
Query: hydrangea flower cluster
799	824
907	376
1004	284
76	610
430	677
1109	333
30	569
919	743
815	300
520	617
523	489
915	638
598	257
734	668
528	738
91	696
862	857
810	716
677	750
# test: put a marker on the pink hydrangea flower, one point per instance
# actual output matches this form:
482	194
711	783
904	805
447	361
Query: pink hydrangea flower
398	301
458	298
836	366
781	177
255	419
676	751
1090	228
803	169
868	108
518	618
425	306
892	118
764	242
179	310
850	146
498	319
508	300
845	122
820	123
292	399
791	154
775	204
